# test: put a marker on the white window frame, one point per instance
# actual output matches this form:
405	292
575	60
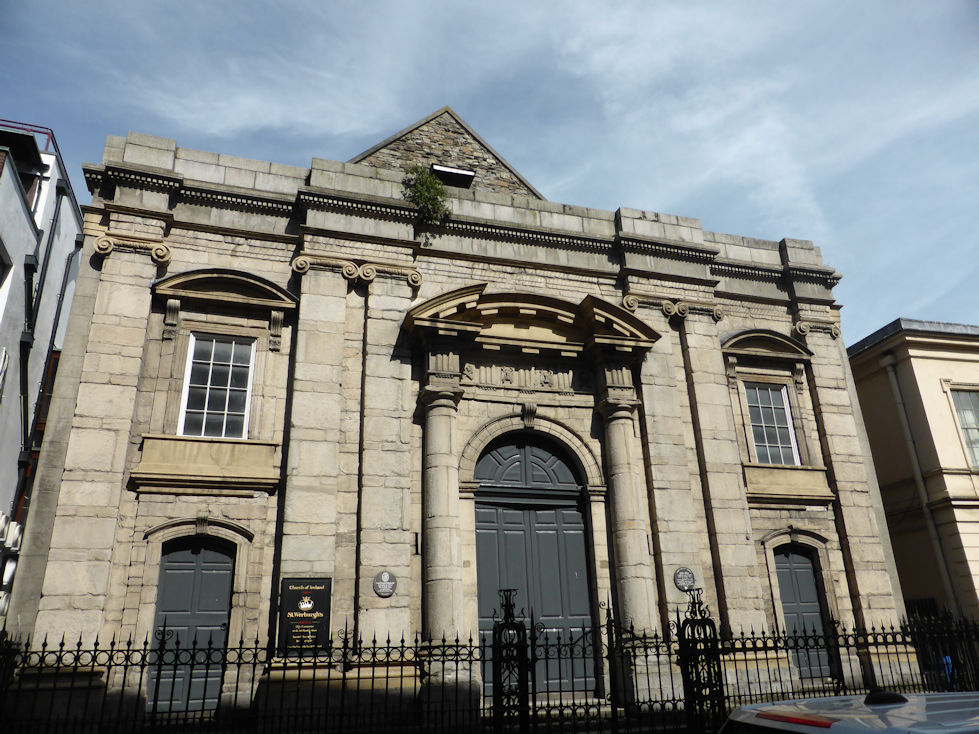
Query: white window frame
971	451
781	389
194	336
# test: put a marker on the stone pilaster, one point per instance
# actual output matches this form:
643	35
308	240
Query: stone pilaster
735	567
386	538
84	533
311	512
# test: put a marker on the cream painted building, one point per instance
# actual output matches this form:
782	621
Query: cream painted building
918	383
280	392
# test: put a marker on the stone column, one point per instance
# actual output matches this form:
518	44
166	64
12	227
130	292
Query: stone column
442	609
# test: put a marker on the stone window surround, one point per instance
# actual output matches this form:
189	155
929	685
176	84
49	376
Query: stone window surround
155	537
774	358
771	542
950	386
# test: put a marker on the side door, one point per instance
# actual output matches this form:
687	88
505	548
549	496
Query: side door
190	629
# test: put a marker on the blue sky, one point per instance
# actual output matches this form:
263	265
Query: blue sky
853	124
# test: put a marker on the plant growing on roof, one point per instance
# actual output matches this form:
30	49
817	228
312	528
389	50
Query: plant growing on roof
421	188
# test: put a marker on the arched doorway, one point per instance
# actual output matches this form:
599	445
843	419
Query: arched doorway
192	609
531	536
803	604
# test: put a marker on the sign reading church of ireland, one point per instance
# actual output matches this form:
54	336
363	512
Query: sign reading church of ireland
304	612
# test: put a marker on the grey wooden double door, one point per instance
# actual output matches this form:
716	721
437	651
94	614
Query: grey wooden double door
193	604
531	536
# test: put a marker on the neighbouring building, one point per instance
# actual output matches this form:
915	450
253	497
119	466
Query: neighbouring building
40	237
918	383
278	379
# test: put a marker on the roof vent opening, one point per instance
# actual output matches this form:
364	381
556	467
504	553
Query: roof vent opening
453	176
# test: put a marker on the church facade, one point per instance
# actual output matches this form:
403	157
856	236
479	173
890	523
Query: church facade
286	407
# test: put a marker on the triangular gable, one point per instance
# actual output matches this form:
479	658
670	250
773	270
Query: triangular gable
445	139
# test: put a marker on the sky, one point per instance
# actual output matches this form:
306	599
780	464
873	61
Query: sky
854	124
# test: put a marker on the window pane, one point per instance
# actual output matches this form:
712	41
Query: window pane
236	401
216	401
195	398
193	423
243	353
234	426
239	376
199	373
222	351
764	396
202	349
214	425
219	375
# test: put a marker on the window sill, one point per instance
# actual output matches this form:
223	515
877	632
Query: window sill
195	465
787	485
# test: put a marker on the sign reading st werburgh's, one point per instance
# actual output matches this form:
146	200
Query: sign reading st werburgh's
304	612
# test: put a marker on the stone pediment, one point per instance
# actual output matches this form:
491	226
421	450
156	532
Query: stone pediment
764	343
444	139
227	286
532	322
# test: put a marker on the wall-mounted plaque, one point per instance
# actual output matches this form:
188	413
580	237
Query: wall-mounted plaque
304	612
684	579
385	584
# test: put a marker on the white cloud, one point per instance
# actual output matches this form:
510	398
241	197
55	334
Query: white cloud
852	125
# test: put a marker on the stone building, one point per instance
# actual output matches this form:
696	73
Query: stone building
40	228
278	380
918	383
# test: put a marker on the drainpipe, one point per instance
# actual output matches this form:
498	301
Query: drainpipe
62	191
22	497
888	362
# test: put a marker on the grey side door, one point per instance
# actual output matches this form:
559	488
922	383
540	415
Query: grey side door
803	608
192	609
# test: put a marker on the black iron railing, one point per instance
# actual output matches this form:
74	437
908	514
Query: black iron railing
591	679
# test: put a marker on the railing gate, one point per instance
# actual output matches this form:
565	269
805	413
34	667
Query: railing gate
511	668
700	666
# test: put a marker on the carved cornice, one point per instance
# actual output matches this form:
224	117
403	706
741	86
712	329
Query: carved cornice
670	308
746	271
804	326
814	274
364	205
671	249
155	248
826	277
363	272
135	178
483	229
235	200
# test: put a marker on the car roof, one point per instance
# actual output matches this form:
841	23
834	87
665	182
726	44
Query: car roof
950	713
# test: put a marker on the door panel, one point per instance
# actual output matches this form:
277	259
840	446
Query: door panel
803	607
193	604
546	562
